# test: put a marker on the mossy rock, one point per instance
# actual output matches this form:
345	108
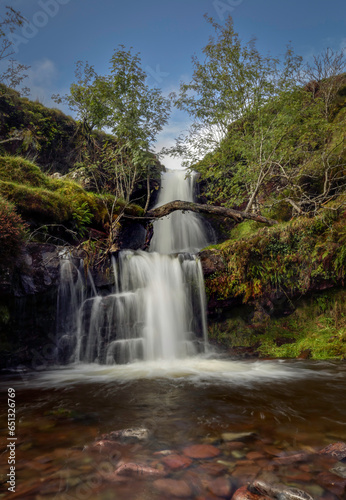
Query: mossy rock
18	170
39	202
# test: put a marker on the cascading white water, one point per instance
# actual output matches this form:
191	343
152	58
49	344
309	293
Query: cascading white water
178	232
157	309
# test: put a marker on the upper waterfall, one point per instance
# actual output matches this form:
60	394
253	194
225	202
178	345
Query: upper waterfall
178	232
157	307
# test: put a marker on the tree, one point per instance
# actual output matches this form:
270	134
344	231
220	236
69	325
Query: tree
14	74
237	92
233	80
86	98
325	76
256	130
135	113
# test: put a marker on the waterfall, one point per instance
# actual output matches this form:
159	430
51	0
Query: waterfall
157	308
178	232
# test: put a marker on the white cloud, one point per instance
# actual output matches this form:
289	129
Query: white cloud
41	80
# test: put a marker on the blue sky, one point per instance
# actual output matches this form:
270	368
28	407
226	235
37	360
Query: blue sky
166	33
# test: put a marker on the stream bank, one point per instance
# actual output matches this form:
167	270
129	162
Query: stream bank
310	325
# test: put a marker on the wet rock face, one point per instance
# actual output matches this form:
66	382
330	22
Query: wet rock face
28	295
37	271
212	262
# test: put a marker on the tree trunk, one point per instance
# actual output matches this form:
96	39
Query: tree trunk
238	216
148	192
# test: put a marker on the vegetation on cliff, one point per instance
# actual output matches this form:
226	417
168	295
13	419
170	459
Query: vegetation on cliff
113	172
273	136
315	329
293	257
268	140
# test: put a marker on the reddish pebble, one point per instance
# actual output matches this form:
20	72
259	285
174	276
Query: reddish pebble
305	477
332	482
213	469
291	459
247	473
271	450
244	494
201	451
221	487
173	487
177	462
137	470
255	455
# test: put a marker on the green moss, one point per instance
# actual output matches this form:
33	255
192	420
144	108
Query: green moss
32	201
17	169
38	196
318	325
291	257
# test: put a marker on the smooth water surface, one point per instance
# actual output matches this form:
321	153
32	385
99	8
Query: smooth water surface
282	407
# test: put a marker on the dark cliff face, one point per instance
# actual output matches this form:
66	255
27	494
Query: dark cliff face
28	297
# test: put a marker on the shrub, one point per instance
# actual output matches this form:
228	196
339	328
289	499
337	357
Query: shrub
12	233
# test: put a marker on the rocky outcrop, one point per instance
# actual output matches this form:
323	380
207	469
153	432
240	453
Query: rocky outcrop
37	271
28	298
212	262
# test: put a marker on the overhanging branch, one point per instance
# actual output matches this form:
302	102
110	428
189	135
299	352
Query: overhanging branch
237	215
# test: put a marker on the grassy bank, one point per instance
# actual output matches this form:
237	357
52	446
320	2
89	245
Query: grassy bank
316	329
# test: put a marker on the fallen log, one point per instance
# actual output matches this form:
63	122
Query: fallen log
237	215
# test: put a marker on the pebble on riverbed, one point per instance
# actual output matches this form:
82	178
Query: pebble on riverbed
278	491
335	450
174	487
244	494
201	451
137	433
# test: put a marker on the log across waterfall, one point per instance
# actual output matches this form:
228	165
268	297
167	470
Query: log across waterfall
178	232
157	309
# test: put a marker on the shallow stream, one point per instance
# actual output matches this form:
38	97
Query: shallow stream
254	413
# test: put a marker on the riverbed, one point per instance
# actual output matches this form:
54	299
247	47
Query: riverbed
255	415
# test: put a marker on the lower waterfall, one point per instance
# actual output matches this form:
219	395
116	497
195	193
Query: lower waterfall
157	308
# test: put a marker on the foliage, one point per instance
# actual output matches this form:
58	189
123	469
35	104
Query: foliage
316	327
319	330
324	76
12	233
291	257
135	113
85	97
14	72
46	135
123	102
45	201
259	138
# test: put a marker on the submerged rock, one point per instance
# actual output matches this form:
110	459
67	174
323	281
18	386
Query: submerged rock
332	482
278	491
201	451
137	433
139	471
176	462
174	487
335	450
290	459
221	487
